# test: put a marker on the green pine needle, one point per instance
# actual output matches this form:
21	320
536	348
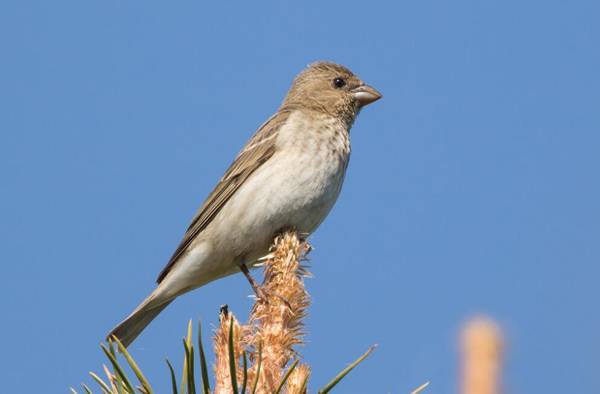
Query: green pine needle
345	372
143	381
258	367
173	379
245	371
203	367
232	366
286	376
119	373
101	383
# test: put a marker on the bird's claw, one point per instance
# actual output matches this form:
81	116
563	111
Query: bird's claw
264	296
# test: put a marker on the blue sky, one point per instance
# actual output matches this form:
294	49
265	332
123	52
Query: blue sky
473	185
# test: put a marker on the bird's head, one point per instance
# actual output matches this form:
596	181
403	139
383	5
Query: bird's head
332	89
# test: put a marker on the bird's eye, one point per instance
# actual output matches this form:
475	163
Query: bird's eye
339	83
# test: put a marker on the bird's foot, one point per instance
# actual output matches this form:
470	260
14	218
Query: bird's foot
261	293
266	295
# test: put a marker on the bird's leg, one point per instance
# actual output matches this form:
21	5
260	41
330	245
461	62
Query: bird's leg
257	289
260	292
305	247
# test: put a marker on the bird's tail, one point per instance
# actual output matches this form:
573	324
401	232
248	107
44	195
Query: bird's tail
134	324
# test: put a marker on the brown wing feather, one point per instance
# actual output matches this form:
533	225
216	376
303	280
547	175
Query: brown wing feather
257	151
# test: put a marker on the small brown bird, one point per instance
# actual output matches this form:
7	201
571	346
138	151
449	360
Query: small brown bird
288	175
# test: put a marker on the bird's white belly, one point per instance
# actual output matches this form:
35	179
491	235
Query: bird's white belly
294	190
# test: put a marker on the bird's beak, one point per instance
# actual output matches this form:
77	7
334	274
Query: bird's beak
365	95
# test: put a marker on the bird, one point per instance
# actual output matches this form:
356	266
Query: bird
287	176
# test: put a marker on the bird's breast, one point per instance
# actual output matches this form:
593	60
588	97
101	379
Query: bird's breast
313	151
296	187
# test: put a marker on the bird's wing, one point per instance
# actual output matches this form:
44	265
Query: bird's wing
257	151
